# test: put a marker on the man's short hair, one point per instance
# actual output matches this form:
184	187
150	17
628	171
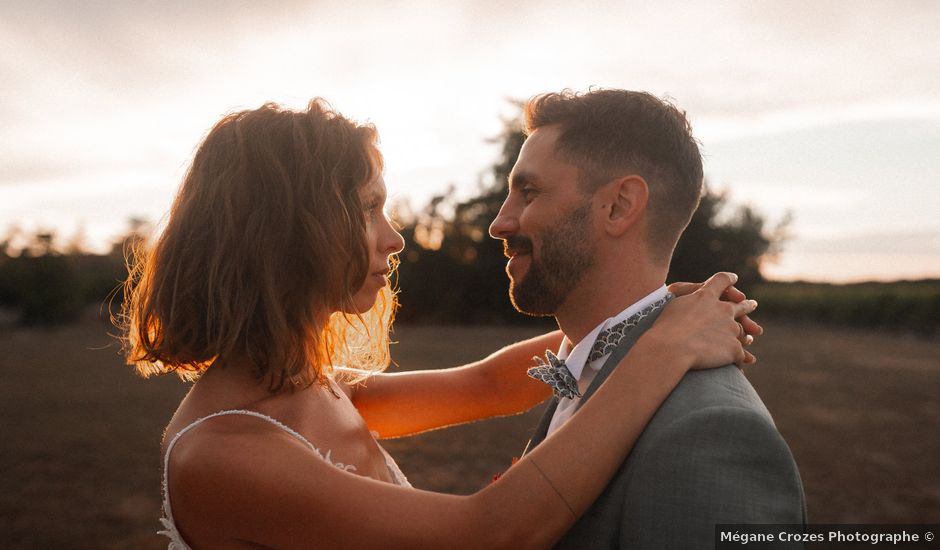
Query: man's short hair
611	133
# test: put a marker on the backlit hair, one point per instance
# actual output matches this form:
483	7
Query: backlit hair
262	253
611	133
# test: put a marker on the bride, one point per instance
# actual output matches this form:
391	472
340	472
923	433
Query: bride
268	288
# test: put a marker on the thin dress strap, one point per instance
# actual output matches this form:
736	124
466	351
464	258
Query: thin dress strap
176	539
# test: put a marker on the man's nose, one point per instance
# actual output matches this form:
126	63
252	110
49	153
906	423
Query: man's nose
505	224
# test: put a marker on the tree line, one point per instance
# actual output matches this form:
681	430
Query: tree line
450	271
45	283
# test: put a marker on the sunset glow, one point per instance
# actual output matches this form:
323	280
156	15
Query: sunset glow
103	104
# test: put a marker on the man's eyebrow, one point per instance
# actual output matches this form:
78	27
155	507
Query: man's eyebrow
518	179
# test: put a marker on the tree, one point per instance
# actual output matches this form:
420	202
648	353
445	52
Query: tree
48	286
452	270
718	241
462	277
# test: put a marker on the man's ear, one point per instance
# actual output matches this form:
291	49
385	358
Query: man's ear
623	201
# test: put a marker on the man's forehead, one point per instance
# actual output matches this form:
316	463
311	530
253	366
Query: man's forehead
543	140
539	153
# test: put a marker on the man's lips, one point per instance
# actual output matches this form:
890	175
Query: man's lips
516	247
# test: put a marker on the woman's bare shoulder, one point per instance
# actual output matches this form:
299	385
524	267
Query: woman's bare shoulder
235	437
222	472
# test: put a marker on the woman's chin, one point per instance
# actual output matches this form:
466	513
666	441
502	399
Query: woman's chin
362	302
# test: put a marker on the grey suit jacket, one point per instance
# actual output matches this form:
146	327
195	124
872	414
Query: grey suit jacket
710	455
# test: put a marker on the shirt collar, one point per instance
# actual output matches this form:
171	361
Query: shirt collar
576	357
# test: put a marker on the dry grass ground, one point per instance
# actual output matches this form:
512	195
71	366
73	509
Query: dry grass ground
80	432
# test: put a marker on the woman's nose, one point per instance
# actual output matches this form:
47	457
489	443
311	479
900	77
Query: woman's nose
394	242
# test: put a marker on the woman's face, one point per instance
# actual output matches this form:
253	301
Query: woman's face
381	241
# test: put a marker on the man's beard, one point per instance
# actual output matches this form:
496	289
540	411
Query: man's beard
567	251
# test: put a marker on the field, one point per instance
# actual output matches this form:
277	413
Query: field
80	467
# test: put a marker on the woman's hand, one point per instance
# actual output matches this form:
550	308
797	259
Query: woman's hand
750	329
702	323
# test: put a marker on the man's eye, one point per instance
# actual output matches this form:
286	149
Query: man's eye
528	193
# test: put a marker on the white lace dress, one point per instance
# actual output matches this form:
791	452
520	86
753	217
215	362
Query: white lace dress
170	530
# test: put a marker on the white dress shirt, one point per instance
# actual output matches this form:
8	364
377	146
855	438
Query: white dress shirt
575	358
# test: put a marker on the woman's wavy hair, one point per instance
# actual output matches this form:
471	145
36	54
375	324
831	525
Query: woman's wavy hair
262	253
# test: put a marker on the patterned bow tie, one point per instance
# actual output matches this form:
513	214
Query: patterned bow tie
556	374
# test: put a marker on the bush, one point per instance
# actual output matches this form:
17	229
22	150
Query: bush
49	291
902	305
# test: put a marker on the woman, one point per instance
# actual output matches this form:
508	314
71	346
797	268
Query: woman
271	273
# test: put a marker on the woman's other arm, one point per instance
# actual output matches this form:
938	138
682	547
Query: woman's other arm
405	403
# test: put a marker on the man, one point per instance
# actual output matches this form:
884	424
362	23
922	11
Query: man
605	183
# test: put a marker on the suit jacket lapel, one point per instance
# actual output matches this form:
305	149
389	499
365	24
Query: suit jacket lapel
619	353
542	429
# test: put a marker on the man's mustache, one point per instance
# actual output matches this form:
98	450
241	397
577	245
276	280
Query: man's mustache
516	244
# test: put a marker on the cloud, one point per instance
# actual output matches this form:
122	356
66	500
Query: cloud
829	108
915	242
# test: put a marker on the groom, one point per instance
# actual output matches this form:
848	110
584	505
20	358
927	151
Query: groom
605	183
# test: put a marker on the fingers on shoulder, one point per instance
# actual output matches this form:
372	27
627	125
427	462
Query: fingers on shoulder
718	283
683	288
733	294
743	308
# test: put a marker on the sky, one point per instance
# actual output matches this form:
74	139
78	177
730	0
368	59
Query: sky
824	112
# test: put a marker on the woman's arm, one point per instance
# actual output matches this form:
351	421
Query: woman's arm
406	403
280	497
